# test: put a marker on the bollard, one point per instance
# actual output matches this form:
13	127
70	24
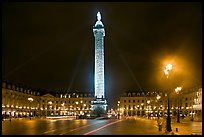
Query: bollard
176	129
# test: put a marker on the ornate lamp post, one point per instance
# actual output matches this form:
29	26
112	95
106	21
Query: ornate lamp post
118	110
158	97
192	111
167	69
148	108
50	106
31	100
178	89
63	108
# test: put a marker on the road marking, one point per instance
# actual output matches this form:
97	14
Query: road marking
101	127
82	127
49	131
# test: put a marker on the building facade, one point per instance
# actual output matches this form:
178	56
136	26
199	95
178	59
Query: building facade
153	104
22	102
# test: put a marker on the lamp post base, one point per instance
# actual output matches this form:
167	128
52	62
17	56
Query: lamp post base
178	119
168	124
192	119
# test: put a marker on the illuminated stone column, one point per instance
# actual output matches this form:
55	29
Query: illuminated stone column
99	33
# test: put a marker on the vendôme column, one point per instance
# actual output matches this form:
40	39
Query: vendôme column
99	33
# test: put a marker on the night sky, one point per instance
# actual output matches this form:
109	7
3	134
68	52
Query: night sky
51	45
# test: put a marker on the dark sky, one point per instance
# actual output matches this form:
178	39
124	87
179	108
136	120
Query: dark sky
51	45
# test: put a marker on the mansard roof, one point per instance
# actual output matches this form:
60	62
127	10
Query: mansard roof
140	92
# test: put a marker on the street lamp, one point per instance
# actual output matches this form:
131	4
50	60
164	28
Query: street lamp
192	110
158	97
148	108
30	99
63	108
178	89
118	110
50	103
167	69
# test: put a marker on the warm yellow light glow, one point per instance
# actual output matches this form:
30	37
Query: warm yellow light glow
50	102
178	89
30	99
148	101
168	68
158	97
